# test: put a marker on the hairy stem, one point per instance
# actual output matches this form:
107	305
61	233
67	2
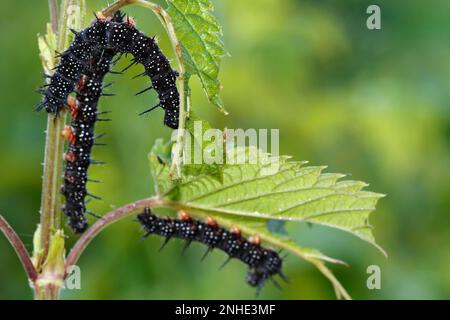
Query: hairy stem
49	282
50	201
104	222
19	247
54	146
166	21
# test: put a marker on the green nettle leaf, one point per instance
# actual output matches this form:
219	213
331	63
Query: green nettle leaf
252	194
197	140
199	33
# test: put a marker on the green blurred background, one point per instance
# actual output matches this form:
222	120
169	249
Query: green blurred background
373	104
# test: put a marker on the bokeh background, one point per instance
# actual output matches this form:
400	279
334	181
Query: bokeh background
372	104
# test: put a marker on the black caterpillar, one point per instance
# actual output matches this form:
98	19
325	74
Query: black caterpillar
81	137
118	37
262	263
81	70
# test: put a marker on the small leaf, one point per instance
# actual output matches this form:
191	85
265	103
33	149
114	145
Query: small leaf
53	269
38	250
202	49
160	157
195	141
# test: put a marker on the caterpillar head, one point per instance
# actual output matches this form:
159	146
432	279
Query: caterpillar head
148	220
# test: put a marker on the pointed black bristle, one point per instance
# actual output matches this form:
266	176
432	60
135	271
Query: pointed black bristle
97	162
129	66
114	62
108	85
145	236
283	276
206	253
39	106
103	119
151	109
259	288
166	240
103	112
108	94
145	90
186	246
276	283
115	72
225	263
95	15
140	75
93	196
100	135
96	215
93	180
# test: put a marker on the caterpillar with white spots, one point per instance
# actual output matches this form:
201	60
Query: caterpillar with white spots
262	263
81	70
119	37
81	137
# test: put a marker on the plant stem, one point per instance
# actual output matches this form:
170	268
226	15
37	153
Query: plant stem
19	247
50	201
104	222
49	292
166	21
108	11
48	283
54	144
53	8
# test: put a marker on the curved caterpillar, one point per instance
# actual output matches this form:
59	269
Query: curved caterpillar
119	37
81	70
262	263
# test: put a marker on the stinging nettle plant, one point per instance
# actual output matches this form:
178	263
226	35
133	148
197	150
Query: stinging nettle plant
233	195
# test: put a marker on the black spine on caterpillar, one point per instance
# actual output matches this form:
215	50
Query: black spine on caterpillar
262	263
119	37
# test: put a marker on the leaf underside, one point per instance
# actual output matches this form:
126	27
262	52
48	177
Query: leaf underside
202	49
